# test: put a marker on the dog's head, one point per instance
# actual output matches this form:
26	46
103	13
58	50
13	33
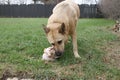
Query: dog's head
56	36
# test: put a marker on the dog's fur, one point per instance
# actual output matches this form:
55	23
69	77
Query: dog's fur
62	24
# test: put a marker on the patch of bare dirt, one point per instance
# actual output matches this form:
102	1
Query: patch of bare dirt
113	52
8	74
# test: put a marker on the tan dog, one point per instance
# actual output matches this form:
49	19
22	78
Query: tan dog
61	25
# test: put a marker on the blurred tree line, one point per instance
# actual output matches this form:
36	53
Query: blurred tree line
110	8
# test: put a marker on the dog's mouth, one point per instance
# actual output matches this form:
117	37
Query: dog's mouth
58	54
56	57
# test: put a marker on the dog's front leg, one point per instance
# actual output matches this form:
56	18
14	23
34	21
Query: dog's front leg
75	48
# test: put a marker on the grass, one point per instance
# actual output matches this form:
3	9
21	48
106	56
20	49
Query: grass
22	41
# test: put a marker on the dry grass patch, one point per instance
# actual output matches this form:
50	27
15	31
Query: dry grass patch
113	52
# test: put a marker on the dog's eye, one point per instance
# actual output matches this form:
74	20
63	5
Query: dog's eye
53	44
59	42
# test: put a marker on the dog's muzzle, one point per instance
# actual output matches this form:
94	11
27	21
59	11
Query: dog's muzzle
58	54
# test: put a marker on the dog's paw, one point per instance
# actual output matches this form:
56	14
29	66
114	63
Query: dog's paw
77	56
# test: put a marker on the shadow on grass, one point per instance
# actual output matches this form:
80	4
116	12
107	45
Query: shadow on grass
68	57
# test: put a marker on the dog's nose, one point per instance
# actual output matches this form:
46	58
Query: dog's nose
58	53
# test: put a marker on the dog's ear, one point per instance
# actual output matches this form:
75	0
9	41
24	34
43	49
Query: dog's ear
47	30
62	29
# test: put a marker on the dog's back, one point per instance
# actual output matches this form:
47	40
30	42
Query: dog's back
65	12
68	7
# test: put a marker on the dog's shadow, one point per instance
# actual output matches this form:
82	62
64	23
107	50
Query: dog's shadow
86	49
68	57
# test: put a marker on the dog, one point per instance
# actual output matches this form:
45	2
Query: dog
62	24
49	54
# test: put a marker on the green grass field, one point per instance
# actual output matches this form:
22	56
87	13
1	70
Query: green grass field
22	41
